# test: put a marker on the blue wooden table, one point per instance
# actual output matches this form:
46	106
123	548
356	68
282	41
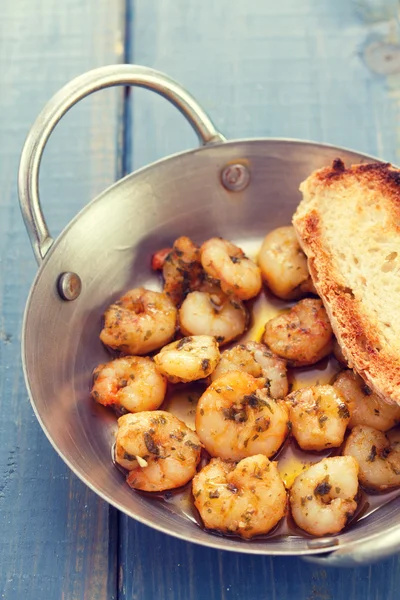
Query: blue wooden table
316	69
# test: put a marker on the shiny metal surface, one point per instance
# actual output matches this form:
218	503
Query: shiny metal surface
320	543
235	177
69	286
109	245
70	94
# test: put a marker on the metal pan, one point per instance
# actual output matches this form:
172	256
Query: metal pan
237	189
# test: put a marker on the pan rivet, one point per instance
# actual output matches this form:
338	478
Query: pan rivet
235	177
69	286
322	543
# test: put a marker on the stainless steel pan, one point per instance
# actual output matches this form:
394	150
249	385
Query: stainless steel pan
238	189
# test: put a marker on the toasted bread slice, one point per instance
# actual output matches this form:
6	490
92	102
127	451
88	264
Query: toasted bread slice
348	224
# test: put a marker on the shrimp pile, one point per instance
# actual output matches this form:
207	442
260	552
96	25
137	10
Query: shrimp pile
251	408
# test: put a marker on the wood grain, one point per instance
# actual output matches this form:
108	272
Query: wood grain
287	69
57	538
157	566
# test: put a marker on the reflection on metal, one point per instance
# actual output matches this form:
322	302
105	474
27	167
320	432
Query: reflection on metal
66	98
323	543
69	286
235	177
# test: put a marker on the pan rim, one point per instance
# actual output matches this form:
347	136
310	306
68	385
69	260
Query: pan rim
212	541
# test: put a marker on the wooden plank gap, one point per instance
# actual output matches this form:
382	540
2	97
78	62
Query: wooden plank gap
124	144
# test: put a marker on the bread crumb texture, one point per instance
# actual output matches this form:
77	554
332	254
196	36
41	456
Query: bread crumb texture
348	225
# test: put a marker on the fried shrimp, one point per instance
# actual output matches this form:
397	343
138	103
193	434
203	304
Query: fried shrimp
283	265
129	384
188	359
181	268
302	335
246	499
378	458
235	418
158	450
213	314
366	408
256	360
139	322
319	417
324	497
226	263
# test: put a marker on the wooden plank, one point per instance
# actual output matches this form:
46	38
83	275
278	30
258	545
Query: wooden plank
292	69
286	69
57	538
159	566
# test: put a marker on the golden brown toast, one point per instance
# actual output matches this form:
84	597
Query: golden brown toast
348	224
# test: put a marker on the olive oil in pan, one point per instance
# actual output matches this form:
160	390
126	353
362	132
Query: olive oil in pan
291	462
181	400
262	309
322	373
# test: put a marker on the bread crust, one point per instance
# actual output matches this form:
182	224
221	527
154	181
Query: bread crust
356	323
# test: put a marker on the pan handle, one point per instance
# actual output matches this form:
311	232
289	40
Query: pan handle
59	105
361	553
